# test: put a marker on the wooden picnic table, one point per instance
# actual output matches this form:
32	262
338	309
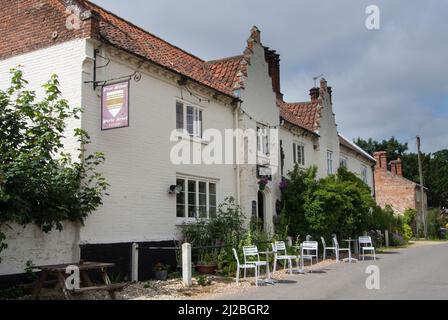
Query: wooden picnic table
86	283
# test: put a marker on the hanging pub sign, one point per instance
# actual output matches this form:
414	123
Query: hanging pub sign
264	172
115	106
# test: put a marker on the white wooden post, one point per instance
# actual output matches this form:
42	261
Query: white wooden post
186	264
134	262
386	236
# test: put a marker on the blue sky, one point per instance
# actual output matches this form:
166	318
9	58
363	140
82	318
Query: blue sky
387	82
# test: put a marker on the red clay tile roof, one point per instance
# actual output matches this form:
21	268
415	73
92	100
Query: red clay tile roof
303	114
227	71
131	38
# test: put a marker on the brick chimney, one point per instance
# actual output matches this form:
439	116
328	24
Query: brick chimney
314	94
381	160
393	167
399	167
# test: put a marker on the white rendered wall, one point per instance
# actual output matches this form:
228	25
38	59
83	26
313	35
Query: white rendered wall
138	165
30	243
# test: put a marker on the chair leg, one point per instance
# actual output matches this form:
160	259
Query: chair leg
256	276
275	265
245	273
238	275
374	256
290	266
324	254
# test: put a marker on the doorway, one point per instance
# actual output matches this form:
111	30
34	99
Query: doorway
261	205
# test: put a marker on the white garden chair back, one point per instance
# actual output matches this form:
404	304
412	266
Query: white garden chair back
280	253
251	252
366	244
244	267
324	244
339	249
309	251
251	256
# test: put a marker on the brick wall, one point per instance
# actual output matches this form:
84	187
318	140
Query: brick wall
392	188
28	25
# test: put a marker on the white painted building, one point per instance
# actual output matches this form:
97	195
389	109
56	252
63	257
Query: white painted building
176	91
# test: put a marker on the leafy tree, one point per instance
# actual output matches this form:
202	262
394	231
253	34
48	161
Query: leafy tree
39	182
393	147
340	204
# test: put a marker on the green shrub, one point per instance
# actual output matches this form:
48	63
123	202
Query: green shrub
340	204
407	232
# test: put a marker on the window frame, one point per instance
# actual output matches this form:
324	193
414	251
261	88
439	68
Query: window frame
263	141
197	197
197	122
299	153
330	162
364	173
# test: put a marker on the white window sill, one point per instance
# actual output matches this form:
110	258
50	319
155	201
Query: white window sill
186	221
187	137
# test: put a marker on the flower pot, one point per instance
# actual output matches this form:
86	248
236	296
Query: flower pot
207	268
161	275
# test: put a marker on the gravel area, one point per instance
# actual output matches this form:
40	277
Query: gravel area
173	289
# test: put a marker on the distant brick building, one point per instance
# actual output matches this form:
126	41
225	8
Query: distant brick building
391	188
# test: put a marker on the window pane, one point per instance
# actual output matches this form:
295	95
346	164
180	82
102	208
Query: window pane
179	115
191	199
294	154
212	200
190	120
202	187
180	199
212	188
199	124
302	148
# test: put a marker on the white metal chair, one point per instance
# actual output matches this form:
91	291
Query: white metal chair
327	248
309	251
339	249
252	252
245	267
280	253
365	244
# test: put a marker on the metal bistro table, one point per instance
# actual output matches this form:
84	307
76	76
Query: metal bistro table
350	241
269	279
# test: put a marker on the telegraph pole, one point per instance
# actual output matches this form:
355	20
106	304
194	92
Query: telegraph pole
422	190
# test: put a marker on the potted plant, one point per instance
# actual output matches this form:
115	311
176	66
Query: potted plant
161	271
262	183
207	264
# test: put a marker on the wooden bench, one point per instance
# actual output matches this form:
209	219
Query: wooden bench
110	288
